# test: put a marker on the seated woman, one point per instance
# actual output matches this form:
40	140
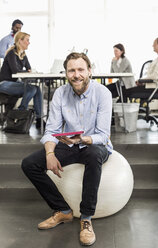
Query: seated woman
15	61
121	64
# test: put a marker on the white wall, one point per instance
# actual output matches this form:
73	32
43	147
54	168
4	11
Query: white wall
93	24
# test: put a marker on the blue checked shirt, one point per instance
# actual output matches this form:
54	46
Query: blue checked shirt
90	112
5	43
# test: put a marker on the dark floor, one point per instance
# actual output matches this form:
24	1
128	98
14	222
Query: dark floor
135	226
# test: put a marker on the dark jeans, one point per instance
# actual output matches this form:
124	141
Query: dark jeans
115	91
93	156
17	89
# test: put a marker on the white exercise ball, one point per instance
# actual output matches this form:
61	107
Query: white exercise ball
115	187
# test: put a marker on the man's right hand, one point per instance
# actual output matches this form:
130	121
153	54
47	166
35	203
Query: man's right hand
53	164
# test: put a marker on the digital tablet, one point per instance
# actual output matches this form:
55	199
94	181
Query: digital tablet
67	134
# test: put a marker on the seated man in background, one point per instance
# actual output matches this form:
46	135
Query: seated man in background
8	40
82	104
152	73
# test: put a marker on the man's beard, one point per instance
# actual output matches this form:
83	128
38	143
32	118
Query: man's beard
80	91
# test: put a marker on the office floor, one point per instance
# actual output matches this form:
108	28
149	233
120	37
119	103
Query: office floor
135	226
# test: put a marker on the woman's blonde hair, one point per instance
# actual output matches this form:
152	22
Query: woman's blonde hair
18	36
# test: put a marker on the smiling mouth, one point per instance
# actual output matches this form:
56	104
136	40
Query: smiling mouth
77	81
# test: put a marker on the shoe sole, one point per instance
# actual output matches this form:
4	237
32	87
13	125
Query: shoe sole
87	244
45	228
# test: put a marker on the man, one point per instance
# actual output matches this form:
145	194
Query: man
152	72
82	104
140	91
8	40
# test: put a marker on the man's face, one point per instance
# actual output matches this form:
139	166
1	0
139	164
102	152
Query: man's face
17	27
155	46
78	75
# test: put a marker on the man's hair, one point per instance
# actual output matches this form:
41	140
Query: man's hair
121	48
157	40
75	55
17	21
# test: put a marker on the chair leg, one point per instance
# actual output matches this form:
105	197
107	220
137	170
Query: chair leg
149	117
2	119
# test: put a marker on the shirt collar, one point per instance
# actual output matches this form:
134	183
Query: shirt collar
12	34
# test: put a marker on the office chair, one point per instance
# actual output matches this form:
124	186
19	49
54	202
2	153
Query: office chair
146	95
144	69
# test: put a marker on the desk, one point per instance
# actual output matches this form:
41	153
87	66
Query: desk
29	75
49	76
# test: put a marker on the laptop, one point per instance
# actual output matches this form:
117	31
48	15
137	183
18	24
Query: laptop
57	67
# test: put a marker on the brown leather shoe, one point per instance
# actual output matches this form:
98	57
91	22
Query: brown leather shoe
56	219
87	235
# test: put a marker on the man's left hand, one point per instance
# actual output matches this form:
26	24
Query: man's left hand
70	140
77	139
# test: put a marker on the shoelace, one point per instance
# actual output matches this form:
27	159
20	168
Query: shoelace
86	225
55	214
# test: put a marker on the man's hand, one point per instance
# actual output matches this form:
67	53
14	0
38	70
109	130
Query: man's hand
139	83
86	140
76	139
53	164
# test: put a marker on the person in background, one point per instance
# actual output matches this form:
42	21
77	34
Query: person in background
82	104
152	73
15	61
8	40
120	64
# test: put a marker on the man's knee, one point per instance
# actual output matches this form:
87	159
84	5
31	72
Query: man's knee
97	154
95	150
34	161
25	165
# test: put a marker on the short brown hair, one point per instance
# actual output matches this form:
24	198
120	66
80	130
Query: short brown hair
75	55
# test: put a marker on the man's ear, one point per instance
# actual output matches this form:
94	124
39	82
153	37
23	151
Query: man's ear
90	72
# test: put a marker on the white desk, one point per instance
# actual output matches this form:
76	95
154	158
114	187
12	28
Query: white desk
50	76
62	75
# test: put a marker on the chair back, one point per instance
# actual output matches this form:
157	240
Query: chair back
144	69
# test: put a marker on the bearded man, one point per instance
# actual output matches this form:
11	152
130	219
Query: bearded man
81	104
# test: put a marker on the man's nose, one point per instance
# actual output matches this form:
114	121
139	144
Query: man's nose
76	73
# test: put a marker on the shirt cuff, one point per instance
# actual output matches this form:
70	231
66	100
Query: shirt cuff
47	138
